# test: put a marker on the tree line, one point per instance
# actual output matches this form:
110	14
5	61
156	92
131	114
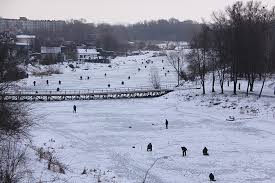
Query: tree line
238	43
117	37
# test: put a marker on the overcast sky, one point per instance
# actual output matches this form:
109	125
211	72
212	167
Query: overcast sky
114	11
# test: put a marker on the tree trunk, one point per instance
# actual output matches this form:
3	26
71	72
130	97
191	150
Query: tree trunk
203	88
252	82
262	87
203	85
235	84
248	83
221	83
213	82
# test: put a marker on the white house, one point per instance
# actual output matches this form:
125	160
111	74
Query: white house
87	54
50	50
25	40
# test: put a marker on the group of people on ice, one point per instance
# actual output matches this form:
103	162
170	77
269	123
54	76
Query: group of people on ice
184	150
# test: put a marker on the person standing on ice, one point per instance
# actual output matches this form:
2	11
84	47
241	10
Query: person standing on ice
59	82
74	107
47	82
149	147
166	124
34	83
212	177
205	151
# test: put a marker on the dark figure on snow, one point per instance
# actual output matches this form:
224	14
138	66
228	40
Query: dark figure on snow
145	66
205	151
122	82
184	149
166	124
129	77
57	89
80	77
109	85
211	177
59	82
34	83
74	107
239	86
227	83
47	82
163	68
105	74
149	147
88	78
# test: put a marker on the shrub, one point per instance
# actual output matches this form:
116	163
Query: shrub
47	71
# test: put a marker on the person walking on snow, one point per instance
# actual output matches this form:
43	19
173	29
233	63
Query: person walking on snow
166	124
74	107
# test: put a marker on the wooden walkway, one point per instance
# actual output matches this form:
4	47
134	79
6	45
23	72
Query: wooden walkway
95	94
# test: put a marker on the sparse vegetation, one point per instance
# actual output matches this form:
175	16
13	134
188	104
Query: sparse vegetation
47	71
155	78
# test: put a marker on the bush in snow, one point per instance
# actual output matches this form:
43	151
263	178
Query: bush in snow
155	78
47	71
12	161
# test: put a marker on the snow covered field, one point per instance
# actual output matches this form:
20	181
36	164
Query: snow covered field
121	68
109	137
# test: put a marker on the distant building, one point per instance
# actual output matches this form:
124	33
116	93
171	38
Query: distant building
87	54
50	50
51	55
30	26
25	40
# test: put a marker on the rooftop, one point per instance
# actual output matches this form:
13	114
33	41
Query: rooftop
87	51
25	36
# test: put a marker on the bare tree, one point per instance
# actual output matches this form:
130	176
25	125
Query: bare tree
155	78
269	47
12	161
15	120
198	58
177	61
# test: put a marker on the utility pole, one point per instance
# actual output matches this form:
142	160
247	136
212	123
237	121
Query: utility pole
178	71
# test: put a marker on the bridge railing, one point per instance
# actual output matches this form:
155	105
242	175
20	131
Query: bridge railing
85	91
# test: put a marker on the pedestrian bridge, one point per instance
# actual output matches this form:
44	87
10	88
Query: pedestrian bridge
84	94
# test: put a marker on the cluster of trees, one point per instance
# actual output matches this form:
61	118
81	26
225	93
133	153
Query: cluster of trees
239	43
163	30
10	59
116	37
15	120
51	59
